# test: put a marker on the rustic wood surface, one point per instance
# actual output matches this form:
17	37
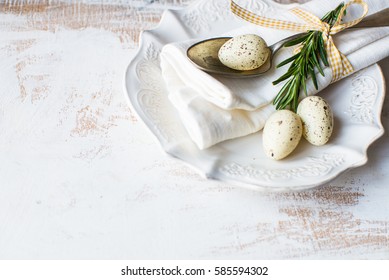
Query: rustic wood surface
82	177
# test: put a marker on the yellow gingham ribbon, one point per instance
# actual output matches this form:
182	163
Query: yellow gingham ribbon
339	63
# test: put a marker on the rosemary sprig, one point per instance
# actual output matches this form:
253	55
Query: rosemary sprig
303	64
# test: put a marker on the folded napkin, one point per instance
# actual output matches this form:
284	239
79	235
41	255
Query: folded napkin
214	109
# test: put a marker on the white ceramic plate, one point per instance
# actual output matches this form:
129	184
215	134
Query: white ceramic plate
356	102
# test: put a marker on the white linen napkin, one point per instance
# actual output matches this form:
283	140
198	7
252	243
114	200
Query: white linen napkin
214	109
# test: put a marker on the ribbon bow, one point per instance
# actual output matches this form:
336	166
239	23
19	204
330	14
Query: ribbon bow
339	63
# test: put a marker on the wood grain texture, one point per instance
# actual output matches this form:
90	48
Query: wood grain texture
81	177
120	17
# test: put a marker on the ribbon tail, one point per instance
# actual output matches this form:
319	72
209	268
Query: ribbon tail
339	63
264	21
347	67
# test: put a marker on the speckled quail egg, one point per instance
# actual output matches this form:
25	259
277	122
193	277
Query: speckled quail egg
244	52
317	118
281	134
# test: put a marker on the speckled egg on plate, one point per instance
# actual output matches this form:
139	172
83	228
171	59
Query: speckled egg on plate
281	134
317	118
244	52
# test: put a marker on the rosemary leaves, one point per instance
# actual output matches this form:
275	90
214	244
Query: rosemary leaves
303	64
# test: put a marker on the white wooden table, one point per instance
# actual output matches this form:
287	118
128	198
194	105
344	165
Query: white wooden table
82	178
